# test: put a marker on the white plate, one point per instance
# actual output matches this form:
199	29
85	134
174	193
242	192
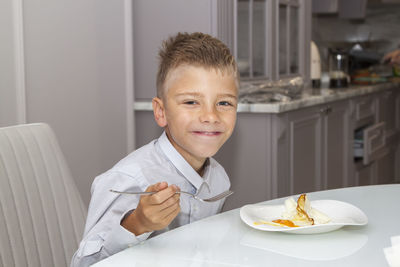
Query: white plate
341	214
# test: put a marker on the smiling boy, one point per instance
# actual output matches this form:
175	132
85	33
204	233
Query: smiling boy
196	103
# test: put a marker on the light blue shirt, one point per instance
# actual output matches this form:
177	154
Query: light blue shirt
155	162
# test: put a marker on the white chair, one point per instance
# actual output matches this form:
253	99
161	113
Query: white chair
42	215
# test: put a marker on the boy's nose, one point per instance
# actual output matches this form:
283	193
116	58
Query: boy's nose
209	115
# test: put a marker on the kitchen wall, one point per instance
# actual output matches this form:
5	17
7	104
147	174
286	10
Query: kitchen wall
68	63
153	23
379	31
8	65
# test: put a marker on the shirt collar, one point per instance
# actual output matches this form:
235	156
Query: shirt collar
179	162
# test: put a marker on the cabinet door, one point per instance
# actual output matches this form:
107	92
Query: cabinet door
325	6
337	147
365	175
352	9
364	111
304	140
272	39
385	113
288	36
386	169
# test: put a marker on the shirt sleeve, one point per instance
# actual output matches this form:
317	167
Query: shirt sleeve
104	235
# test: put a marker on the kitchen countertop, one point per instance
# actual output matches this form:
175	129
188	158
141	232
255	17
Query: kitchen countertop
308	98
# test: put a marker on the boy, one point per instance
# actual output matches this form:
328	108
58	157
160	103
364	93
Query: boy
196	102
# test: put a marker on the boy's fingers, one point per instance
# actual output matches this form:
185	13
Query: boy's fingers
157	187
163	195
152	187
171	213
169	210
173	200
146	199
161	186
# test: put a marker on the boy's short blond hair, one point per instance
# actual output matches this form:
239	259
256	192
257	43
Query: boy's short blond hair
196	49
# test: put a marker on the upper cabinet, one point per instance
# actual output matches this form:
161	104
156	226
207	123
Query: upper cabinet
269	38
272	38
325	6
289	42
348	9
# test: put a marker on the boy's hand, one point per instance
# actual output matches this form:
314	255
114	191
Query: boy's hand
154	212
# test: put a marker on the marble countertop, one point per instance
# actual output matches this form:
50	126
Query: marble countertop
308	98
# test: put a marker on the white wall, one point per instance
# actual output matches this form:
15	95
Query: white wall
8	96
77	78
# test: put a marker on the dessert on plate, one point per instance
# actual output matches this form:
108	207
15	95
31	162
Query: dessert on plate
298	214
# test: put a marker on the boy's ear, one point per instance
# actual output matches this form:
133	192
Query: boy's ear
159	112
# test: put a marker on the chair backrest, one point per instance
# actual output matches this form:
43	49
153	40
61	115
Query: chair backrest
42	215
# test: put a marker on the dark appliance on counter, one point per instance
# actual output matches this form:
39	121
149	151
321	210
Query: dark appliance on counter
362	59
338	68
366	67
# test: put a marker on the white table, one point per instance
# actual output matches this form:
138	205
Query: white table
224	240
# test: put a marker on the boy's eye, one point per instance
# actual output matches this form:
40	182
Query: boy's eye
224	103
190	102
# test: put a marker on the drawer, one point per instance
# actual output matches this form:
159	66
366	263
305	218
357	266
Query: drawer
364	109
374	142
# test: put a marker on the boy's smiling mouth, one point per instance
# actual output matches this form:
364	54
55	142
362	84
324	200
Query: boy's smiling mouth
207	133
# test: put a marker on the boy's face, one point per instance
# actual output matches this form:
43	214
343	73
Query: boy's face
198	111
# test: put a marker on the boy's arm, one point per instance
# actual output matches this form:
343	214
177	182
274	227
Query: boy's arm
154	212
104	234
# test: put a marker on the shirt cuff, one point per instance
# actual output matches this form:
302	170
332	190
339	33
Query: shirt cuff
120	238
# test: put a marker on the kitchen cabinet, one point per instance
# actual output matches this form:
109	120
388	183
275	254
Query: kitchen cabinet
303	154
317	149
273	39
381	135
385	168
388	102
346	9
337	149
367	128
363	111
365	175
325	6
352	9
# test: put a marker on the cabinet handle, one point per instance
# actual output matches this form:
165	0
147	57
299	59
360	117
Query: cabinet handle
325	110
328	110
